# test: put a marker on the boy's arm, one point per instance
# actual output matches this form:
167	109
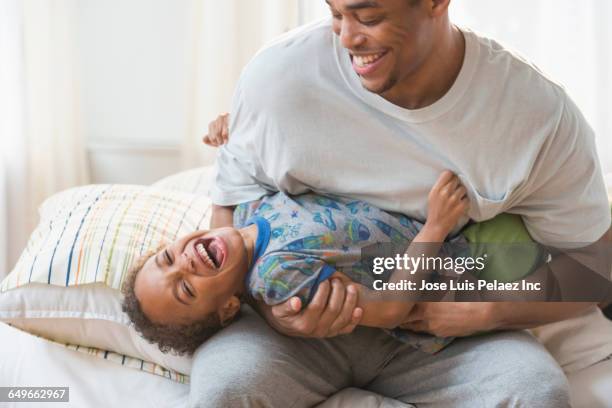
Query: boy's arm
384	309
377	311
381	308
447	202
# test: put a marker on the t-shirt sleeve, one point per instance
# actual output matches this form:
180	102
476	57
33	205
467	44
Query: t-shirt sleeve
278	276
238	168
566	203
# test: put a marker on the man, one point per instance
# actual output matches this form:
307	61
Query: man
374	105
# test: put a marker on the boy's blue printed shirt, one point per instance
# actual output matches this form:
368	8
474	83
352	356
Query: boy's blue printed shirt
303	239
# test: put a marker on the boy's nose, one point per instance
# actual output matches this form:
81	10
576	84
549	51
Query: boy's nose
187	264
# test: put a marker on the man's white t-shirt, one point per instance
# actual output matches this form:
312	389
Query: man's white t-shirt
301	121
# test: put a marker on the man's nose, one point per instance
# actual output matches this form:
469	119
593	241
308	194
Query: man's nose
350	36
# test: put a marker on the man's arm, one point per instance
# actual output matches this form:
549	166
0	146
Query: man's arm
222	216
446	319
515	315
564	200
527	315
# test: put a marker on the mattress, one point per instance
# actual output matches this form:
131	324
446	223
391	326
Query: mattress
26	360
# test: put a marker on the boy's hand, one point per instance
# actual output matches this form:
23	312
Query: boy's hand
447	202
218	131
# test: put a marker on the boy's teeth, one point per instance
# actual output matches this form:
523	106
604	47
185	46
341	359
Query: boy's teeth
202	251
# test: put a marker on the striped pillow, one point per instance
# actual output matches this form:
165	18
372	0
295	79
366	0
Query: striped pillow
65	286
93	234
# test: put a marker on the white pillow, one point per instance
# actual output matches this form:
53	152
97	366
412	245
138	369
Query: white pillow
86	315
195	181
578	342
65	286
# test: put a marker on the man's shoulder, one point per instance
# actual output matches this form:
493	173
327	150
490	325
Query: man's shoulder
290	73
295	48
316	33
517	75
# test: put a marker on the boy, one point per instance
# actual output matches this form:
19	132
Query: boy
281	247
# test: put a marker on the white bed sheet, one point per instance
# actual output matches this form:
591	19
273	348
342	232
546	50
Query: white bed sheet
26	360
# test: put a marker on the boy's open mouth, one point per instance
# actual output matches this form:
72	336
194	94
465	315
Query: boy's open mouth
211	251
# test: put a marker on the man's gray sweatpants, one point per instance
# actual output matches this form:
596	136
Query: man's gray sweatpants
248	364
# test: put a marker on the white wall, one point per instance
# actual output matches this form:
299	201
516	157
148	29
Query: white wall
134	83
569	40
12	169
310	10
4	260
135	62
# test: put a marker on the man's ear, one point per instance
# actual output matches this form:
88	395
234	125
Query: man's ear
439	7
228	310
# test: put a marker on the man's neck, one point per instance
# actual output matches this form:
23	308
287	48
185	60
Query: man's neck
435	77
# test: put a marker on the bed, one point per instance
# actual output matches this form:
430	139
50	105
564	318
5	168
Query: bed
27	360
103	371
95	382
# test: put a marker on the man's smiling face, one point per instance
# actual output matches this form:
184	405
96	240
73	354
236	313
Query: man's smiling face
388	40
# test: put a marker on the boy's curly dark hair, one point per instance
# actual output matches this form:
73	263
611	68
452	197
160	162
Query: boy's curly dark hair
182	338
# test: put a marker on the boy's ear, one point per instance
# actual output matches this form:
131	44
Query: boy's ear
228	310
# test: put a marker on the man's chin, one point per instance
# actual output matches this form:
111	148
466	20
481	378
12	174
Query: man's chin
378	87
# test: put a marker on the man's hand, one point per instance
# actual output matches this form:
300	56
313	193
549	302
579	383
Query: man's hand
332	311
218	131
458	319
449	319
